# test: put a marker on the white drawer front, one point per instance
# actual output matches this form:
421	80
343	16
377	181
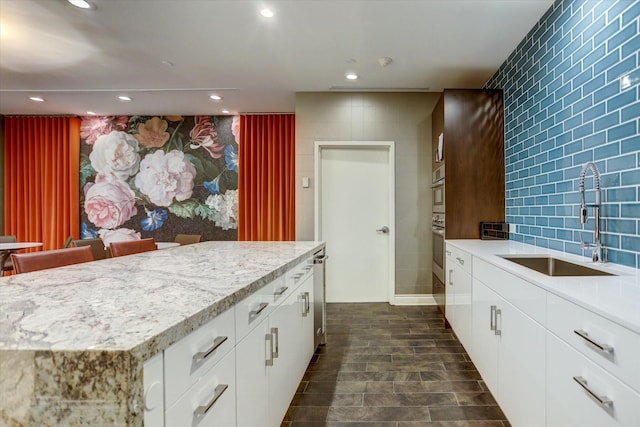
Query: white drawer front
257	306
526	296
153	380
188	359
570	404
459	257
208	402
621	353
296	276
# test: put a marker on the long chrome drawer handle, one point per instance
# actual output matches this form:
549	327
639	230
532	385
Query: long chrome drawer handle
307	308
201	410
268	339
585	336
255	313
204	354
281	291
492	319
602	400
460	260
276	345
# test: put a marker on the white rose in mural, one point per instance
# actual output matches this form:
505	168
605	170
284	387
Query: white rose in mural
109	202
165	177
225	207
119	235
117	153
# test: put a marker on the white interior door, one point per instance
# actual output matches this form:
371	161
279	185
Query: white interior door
354	203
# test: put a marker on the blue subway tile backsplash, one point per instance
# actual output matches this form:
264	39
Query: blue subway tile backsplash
572	95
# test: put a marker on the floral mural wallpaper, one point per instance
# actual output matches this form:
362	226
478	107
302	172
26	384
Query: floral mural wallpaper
158	176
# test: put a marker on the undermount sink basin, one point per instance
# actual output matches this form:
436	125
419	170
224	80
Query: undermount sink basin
556	267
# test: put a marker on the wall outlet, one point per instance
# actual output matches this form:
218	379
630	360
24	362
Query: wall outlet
512	228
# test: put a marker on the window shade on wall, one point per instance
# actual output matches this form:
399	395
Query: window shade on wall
266	199
42	156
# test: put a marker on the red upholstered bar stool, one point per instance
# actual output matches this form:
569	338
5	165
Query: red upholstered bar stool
130	247
33	261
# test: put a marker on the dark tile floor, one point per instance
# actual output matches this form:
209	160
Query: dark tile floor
391	366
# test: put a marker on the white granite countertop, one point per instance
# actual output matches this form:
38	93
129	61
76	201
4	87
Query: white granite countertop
139	303
615	297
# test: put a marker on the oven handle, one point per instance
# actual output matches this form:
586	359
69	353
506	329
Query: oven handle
438	183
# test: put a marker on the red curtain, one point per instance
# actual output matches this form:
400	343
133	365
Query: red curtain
42	169
266	196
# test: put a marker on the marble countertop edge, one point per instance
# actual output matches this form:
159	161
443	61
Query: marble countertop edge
160	335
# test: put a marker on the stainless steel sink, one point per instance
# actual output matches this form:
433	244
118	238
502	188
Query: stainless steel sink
555	267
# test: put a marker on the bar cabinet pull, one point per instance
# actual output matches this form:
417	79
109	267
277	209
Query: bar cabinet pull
206	353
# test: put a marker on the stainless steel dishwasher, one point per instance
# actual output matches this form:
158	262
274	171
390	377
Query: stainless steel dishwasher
319	314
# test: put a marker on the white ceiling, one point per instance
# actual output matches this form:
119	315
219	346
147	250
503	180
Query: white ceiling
80	60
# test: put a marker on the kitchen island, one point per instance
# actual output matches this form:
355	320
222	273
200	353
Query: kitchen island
74	340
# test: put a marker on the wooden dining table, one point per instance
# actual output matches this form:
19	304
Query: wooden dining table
7	249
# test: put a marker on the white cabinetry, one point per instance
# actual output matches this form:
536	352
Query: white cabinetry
508	348
253	359
547	360
211	401
153	380
290	344
272	358
581	393
592	368
458	293
241	368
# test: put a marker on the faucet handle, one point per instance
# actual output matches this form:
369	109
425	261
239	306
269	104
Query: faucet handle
583	215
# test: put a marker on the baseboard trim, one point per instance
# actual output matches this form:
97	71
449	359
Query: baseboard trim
412	299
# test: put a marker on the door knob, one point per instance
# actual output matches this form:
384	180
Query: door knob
383	230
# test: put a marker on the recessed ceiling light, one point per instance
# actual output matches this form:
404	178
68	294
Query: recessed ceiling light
351	76
216	97
267	13
168	63
36	99
124	98
82	4
91	113
225	111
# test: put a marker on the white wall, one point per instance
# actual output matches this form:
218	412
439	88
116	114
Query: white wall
401	117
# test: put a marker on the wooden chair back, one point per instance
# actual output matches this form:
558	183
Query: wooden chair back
33	261
130	247
7	265
96	245
187	239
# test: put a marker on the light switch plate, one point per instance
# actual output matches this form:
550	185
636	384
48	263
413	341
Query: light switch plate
305	182
512	228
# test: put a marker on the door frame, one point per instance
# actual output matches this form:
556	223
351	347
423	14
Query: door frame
390	147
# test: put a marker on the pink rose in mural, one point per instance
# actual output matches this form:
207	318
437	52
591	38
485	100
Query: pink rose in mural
109	202
94	126
153	133
165	177
119	235
204	134
235	128
117	153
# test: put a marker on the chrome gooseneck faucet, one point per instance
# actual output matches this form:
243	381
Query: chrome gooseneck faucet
596	246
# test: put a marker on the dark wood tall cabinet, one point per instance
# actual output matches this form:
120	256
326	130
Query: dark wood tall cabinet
472	121
472	124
